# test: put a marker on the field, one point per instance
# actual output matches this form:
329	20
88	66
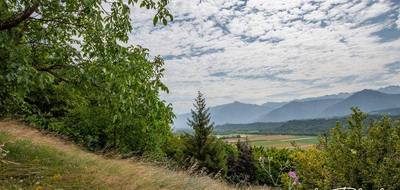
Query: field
278	141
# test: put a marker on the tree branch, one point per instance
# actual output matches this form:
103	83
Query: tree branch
18	18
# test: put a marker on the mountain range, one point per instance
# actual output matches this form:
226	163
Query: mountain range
382	100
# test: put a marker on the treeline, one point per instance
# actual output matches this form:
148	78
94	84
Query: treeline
292	127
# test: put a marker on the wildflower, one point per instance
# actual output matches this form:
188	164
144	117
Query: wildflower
293	175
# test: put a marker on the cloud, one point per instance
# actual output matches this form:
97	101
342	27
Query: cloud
260	51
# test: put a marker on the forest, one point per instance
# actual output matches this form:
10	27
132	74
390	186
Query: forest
67	68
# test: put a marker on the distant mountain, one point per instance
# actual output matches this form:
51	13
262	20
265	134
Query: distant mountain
298	110
326	106
274	104
390	89
366	100
238	112
235	112
342	95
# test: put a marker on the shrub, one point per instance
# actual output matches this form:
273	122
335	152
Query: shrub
270	164
360	155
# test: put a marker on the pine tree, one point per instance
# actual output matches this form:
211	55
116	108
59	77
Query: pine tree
203	146
201	125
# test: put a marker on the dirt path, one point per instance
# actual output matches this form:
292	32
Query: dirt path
116	173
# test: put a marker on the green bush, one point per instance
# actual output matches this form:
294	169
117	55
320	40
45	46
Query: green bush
270	164
361	156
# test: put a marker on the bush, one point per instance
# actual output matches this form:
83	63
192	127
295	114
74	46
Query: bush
241	165
361	156
270	164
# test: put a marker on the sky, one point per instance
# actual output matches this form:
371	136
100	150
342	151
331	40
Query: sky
258	51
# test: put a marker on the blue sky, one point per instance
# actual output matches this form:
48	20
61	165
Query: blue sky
273	50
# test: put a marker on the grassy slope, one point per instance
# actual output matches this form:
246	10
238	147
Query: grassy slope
41	161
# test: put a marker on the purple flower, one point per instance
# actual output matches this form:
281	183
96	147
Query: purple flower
293	175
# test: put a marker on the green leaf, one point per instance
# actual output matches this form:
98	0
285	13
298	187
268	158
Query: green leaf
155	20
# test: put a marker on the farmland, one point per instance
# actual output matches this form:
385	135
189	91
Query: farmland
278	141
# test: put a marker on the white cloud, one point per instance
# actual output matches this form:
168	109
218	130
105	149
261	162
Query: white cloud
269	50
398	20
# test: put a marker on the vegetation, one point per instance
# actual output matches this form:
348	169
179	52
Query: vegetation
364	155
66	67
39	161
202	146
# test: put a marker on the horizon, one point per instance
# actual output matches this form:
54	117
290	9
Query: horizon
252	51
293	100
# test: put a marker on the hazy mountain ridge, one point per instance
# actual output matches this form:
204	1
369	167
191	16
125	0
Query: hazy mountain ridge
366	100
326	106
235	112
298	110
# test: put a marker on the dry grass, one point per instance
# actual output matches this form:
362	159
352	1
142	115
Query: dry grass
111	173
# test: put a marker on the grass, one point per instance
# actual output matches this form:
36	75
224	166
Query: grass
38	161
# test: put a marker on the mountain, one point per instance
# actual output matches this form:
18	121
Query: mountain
315	107
390	89
274	104
235	112
298	110
342	95
366	100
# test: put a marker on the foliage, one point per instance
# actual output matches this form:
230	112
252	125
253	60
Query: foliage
66	67
361	156
271	164
241	165
310	165
203	146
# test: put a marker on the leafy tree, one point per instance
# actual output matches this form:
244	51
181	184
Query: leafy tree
70	61
203	145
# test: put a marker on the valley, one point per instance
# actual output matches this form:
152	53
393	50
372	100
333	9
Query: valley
277	141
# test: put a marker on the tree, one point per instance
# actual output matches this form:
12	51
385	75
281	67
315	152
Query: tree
48	42
74	55
241	167
203	146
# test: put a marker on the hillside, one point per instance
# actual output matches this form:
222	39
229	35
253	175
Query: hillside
43	161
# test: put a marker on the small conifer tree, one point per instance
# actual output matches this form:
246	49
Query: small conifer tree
203	146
